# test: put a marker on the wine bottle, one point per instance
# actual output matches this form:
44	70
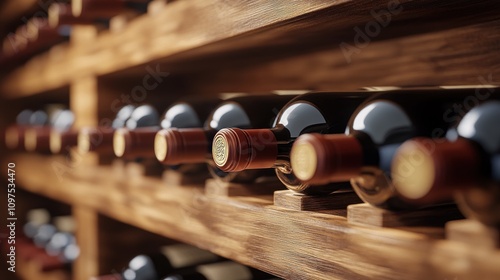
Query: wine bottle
166	261
44	234
136	139
466	166
14	134
179	146
100	139
106	9
34	219
64	237
59	244
237	149
47	238
375	131
62	136
36	137
227	270
190	113
184	114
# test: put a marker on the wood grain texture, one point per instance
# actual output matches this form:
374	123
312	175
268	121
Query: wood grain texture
136	171
139	44
473	233
289	244
300	202
365	214
215	187
175	178
87	236
459	56
265	30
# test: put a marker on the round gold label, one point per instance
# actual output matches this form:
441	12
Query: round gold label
304	161
220	151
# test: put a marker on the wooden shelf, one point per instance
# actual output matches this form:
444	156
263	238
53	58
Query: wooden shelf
212	46
289	244
190	35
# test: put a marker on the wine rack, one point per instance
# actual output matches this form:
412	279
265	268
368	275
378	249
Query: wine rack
203	47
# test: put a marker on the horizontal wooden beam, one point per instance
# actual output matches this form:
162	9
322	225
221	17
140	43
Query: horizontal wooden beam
287	243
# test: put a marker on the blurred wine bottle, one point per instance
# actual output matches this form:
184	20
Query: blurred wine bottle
100	139
183	114
227	270
168	260
137	137
465	165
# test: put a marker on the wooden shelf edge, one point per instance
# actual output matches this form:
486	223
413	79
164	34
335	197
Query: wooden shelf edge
287	243
152	37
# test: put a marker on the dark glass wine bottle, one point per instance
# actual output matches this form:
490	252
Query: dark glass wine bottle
63	243
136	139
44	234
40	237
190	113
179	146
14	134
227	270
37	138
34	219
100	139
168	260
184	114
322	112
466	166
375	131
62	136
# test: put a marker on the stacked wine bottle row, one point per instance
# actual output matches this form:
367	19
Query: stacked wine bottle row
53	26
48	240
397	149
